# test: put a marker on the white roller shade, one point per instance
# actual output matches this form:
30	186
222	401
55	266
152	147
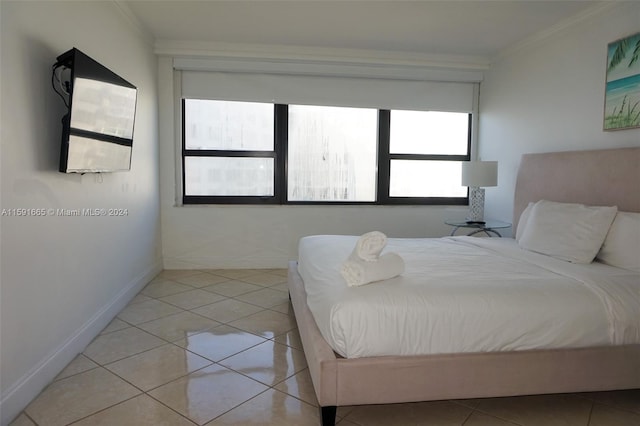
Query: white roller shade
384	93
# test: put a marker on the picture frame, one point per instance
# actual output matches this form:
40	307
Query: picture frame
622	87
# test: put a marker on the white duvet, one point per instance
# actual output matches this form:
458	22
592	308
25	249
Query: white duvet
465	294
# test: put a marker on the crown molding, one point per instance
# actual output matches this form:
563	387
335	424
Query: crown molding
125	11
562	26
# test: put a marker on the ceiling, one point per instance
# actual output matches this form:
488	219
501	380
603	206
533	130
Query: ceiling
479	28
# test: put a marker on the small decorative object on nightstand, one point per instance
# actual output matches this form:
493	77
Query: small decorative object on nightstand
477	174
488	227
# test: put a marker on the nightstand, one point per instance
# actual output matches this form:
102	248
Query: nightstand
489	226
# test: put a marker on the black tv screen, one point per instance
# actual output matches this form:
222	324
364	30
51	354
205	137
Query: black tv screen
97	131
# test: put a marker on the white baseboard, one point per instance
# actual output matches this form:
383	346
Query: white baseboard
21	393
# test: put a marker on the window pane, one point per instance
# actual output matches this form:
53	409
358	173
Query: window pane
225	125
429	132
229	176
424	178
332	153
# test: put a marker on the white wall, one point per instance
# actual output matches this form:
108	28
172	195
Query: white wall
550	97
64	278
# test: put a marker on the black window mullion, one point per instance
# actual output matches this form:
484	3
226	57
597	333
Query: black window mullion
431	157
469	134
223	153
384	158
281	143
223	199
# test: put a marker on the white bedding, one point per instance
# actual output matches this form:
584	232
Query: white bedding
465	294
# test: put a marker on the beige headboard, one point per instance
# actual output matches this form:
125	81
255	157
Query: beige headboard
607	177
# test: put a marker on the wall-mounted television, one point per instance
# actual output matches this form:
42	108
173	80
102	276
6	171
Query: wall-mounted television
97	130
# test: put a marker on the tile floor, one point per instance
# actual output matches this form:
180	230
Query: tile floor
220	347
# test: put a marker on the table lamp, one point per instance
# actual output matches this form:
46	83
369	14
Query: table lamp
476	175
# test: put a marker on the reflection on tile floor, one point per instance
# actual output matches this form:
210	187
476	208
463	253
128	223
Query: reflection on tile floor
221	347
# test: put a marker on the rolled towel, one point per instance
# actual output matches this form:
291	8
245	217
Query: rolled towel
358	272
369	246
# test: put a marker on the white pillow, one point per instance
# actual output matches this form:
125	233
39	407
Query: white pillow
571	232
621	247
522	222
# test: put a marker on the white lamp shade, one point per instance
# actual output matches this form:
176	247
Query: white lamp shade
479	173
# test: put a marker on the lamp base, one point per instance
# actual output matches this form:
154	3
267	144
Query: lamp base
476	204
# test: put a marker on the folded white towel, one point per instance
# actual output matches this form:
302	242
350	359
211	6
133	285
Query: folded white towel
369	246
358	272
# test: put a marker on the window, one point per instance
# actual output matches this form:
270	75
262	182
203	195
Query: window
229	151
247	152
332	154
425	152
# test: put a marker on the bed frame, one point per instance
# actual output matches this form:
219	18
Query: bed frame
602	177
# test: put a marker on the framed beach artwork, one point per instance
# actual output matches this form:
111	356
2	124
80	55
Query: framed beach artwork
622	93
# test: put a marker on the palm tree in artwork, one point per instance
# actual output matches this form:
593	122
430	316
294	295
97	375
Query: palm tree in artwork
622	49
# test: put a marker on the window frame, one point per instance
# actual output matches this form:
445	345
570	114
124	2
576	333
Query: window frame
384	166
279	163
280	156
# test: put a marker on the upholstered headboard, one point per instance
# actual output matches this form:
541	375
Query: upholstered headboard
608	177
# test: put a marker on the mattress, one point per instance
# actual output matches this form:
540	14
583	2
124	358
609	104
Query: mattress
465	294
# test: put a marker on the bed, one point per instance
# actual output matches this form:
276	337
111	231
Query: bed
595	178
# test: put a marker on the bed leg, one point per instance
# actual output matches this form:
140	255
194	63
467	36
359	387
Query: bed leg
328	415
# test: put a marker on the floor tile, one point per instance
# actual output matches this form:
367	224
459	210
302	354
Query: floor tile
79	364
269	362
344	422
604	415
265	279
140	298
147	311
176	273
220	342
282	287
178	326
272	408
265	297
76	397
344	411
480	419
471	402
284	308
164	288
158	366
437	413
22	420
236	359
548	410
111	347
300	386
281	272
233	274
207	393
202	279
232	288
227	310
192	299
266	323
115	325
290	338
139	411
625	399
